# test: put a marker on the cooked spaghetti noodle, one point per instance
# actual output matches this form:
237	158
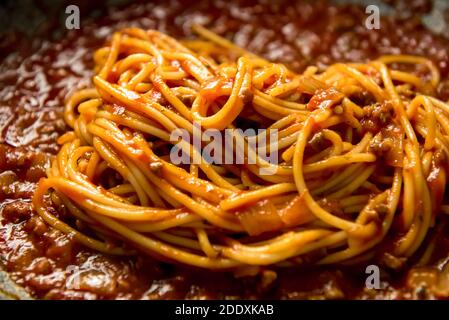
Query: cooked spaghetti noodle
363	150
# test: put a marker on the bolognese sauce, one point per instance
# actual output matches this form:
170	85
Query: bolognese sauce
34	86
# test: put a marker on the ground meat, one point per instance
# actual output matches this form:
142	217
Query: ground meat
377	116
17	211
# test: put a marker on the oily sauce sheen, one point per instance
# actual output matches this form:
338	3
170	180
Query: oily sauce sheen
33	86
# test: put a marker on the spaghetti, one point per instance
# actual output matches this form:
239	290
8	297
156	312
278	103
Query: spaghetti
364	150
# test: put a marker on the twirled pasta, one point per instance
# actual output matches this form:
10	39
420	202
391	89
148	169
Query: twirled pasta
362	146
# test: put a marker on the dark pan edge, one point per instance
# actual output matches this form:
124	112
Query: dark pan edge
9	290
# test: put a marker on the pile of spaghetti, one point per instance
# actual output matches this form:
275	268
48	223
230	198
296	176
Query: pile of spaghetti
363	151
